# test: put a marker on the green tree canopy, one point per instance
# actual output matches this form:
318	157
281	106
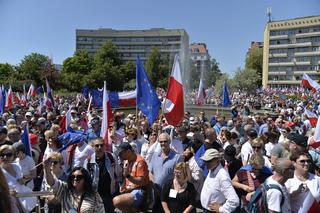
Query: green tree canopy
246	80
75	69
254	60
6	73
35	67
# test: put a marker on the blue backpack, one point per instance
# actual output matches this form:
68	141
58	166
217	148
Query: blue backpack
258	202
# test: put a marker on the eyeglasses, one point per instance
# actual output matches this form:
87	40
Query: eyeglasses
8	155
256	147
177	172
99	145
154	135
165	141
304	161
77	177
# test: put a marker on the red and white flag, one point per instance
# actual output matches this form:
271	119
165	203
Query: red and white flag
9	99
309	83
106	117
312	117
31	92
173	104
310	204
315	141
201	93
16	98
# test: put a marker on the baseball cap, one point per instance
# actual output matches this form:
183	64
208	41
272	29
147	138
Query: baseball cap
210	154
298	139
29	114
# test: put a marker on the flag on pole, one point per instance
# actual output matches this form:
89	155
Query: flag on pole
106	117
201	93
147	98
26	140
2	99
309	83
122	99
312	117
49	92
9	99
173	104
226	99
31	92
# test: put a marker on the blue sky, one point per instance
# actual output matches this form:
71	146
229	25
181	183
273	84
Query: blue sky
226	26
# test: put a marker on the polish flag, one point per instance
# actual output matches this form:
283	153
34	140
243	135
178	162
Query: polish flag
309	83
201	94
9	99
173	104
106	117
31	92
312	117
315	140
16	98
310	204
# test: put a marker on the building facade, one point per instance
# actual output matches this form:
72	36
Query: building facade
291	48
133	43
199	56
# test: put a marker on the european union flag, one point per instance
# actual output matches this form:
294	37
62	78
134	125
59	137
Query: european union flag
226	99
147	98
97	96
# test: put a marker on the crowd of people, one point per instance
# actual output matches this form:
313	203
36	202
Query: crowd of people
205	164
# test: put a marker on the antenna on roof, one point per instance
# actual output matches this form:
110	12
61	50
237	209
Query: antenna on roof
269	12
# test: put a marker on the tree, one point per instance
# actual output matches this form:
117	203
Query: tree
246	80
129	72
33	67
213	74
75	69
157	69
220	82
106	67
254	60
6	73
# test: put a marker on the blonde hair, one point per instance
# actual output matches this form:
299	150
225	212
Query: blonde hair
257	159
55	128
257	142
56	156
184	168
51	134
4	147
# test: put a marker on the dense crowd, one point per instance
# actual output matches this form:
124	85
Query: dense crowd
239	163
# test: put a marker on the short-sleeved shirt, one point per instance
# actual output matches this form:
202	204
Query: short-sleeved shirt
162	169
274	197
182	199
27	164
81	154
138	168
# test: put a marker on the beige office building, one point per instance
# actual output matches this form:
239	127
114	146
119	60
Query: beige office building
133	43
291	48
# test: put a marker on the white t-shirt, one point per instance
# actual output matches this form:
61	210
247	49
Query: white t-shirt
26	165
81	154
246	151
274	197
303	200
269	146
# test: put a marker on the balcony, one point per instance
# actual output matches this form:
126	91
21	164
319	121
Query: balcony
277	73
276	64
278	55
279	46
277	82
278	37
303	35
315	53
309	72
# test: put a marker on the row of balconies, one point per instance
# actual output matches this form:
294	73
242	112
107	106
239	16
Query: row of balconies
284	55
298	35
283	72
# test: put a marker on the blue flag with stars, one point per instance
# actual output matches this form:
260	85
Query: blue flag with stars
147	98
226	99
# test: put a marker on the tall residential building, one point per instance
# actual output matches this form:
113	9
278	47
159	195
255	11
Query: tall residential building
133	43
291	48
255	45
200	57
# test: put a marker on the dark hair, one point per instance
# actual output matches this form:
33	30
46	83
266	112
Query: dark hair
5	201
87	183
296	154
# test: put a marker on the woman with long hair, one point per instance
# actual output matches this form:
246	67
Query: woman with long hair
77	194
178	195
5	201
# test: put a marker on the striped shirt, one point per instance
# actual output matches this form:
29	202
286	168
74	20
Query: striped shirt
70	201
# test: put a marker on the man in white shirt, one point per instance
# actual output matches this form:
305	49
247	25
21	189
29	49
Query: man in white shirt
81	153
278	201
217	193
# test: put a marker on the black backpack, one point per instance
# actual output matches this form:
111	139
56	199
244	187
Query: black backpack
258	202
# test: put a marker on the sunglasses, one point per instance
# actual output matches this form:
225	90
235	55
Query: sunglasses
99	145
304	161
177	172
256	147
77	177
8	155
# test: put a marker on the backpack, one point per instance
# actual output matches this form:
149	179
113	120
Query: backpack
258	202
